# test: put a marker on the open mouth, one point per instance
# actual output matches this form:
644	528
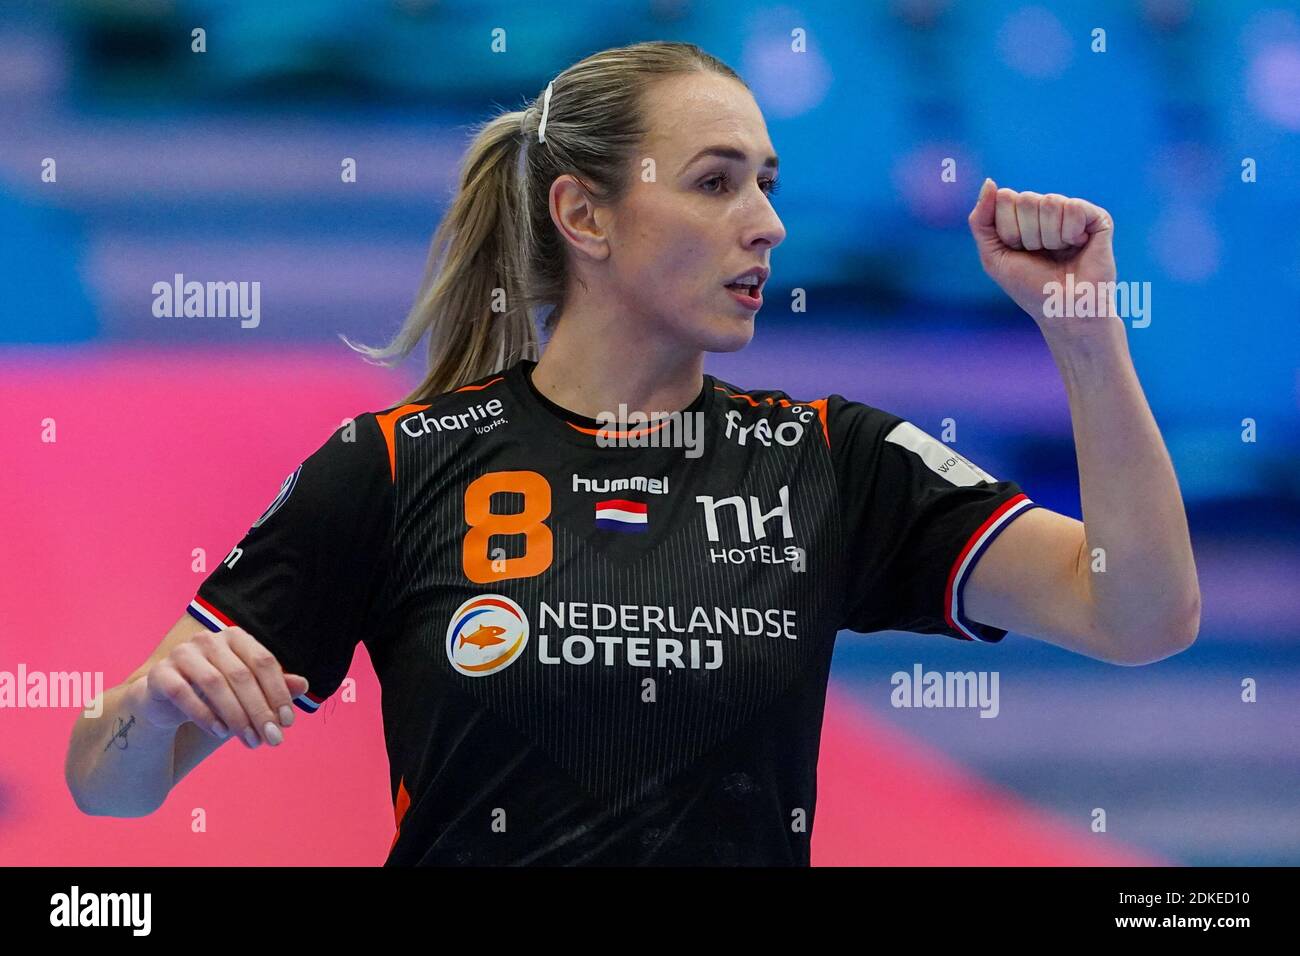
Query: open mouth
745	288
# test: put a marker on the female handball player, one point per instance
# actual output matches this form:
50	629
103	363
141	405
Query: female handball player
600	587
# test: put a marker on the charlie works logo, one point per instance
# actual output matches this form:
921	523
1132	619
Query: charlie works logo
485	635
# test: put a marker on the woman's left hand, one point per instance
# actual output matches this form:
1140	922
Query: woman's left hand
1027	240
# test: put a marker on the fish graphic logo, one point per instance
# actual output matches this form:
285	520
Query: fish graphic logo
486	634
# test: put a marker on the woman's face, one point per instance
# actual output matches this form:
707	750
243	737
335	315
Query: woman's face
705	218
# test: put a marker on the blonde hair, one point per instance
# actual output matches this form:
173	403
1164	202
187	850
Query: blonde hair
498	241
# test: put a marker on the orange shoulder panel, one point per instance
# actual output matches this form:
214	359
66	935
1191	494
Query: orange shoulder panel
387	424
475	388
820	405
400	807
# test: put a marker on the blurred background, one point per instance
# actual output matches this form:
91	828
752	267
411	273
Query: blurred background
126	158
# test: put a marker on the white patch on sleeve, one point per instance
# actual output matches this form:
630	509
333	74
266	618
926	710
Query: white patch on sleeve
938	457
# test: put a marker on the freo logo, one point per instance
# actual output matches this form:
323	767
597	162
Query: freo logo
486	634
786	433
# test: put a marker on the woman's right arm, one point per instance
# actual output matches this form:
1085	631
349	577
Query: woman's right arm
195	691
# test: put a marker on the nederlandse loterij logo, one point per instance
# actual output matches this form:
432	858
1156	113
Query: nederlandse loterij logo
486	634
286	489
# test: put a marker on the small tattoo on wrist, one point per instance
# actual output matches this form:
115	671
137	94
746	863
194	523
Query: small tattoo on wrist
119	733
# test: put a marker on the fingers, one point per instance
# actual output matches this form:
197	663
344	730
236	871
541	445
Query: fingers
1073	223
1032	221
275	688
168	682
1096	219
241	679
243	694
1026	206
981	217
207	680
1050	212
1004	217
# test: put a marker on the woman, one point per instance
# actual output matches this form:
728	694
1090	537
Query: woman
605	639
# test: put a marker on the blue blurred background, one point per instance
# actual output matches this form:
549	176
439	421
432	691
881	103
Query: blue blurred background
226	165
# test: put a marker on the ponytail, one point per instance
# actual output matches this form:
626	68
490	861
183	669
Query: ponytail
473	273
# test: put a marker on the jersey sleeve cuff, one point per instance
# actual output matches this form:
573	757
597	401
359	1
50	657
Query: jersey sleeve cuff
215	619
967	557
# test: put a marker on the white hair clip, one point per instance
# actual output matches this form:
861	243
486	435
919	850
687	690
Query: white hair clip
546	107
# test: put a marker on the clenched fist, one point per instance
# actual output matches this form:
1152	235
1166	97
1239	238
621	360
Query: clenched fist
1027	241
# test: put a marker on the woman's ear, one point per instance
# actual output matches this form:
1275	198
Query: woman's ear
582	222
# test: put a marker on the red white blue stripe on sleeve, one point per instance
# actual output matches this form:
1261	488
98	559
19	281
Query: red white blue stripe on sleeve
216	620
954	609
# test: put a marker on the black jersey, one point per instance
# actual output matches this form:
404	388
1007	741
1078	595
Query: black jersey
607	645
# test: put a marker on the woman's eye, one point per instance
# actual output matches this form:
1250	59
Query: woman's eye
769	186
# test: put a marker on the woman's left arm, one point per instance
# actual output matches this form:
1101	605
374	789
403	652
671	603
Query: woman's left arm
1121	585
